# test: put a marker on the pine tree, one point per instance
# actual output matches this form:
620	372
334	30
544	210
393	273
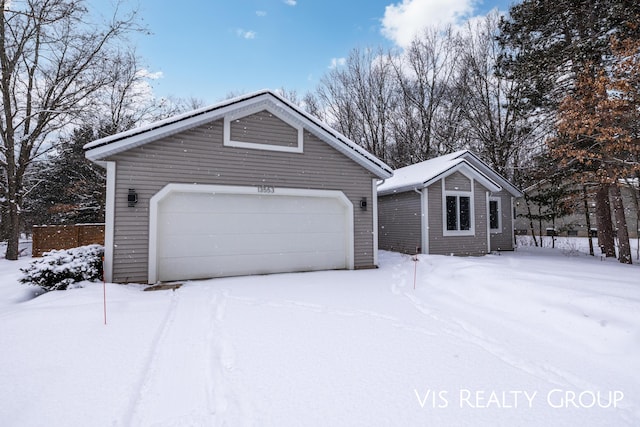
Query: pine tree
67	188
550	45
599	129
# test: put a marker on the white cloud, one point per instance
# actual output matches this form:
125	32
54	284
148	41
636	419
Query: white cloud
291	2
337	62
261	13
246	34
402	21
146	74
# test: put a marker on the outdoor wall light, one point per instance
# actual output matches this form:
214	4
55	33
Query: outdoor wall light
132	197
363	204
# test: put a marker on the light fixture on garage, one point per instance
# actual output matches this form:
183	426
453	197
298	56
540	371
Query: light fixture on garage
363	203
132	197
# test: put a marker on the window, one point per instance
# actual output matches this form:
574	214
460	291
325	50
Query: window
458	213
495	214
458	208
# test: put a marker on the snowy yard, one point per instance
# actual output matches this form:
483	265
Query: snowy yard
531	338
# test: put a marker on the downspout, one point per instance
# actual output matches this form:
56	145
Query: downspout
376	237
488	222
374	204
513	224
423	224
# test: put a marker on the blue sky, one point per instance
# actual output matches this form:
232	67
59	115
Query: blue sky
207	49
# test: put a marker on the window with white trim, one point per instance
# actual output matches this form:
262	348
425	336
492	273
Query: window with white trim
458	214
495	214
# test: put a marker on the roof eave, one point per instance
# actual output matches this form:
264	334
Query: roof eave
504	183
105	147
483	178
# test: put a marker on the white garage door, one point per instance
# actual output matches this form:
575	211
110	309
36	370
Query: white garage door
234	231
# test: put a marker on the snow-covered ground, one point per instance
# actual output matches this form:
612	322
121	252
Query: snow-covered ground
531	338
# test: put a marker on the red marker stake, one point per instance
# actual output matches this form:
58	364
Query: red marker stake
415	270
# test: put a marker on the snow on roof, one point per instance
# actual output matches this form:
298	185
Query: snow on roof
422	174
104	147
416	175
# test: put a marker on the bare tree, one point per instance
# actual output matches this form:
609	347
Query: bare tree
426	117
499	130
54	60
358	97
129	100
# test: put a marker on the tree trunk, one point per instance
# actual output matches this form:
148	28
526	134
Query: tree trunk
587	218
13	229
4	221
533	231
624	248
540	225
603	217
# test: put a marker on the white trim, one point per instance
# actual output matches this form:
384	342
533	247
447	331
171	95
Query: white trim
236	115
472	214
513	223
420	180
470	171
425	220
114	144
487	198
374	203
109	220
485	168
499	200
232	189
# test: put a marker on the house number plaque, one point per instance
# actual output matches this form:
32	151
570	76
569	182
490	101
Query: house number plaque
266	189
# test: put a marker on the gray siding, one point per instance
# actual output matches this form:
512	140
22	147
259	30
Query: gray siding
198	156
457	182
504	241
457	245
264	128
399	222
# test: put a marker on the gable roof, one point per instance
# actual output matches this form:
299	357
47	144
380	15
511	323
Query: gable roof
423	174
100	149
480	164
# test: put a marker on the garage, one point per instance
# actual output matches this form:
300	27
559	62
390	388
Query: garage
251	185
202	231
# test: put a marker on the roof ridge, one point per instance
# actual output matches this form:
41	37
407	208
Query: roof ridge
123	141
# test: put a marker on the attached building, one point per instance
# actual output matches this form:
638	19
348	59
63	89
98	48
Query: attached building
450	205
252	185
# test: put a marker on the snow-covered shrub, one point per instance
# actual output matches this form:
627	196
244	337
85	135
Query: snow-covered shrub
58	269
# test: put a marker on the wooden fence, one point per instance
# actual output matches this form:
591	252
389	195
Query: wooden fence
49	237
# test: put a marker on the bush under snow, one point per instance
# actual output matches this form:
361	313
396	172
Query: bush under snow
58	269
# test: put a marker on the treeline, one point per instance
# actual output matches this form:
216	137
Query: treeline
444	92
549	95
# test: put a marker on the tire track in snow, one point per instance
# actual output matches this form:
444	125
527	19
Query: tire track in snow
544	371
186	374
150	366
474	335
225	395
217	390
317	308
